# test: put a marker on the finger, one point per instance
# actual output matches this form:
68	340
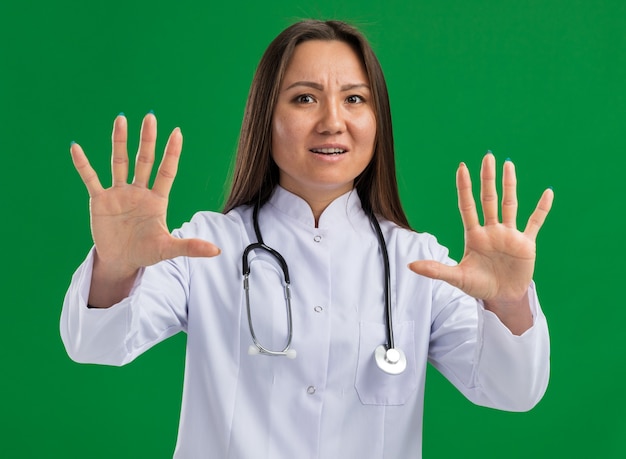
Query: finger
190	248
86	172
538	217
467	205
119	156
169	164
509	195
145	154
435	270
488	193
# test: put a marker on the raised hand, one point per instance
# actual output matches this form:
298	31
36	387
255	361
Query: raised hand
498	260
128	220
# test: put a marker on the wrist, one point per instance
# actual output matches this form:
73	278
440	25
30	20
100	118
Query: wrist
516	315
112	270
110	283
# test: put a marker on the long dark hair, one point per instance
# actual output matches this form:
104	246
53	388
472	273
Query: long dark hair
256	174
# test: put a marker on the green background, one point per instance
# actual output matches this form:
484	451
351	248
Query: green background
539	81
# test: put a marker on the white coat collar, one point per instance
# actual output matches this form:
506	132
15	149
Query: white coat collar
341	210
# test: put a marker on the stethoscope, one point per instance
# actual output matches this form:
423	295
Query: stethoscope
388	358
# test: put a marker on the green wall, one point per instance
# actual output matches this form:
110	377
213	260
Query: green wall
539	81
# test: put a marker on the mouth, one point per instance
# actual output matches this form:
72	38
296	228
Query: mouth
328	151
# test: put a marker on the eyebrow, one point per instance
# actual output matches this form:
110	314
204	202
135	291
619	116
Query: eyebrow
319	87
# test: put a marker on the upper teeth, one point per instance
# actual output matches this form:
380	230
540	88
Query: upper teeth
328	150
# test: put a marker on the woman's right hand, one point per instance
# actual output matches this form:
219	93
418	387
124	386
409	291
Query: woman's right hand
128	220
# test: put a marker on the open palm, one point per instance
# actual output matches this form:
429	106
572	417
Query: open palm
128	220
498	260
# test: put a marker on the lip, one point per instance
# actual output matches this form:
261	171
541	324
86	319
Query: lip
328	146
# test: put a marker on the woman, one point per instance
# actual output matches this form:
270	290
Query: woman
314	180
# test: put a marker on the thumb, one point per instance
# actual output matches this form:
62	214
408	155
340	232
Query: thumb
435	270
191	248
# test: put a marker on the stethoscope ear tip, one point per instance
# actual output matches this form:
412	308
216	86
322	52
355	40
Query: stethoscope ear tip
253	350
291	353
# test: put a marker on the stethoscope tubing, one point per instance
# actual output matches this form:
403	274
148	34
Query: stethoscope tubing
387	357
385	254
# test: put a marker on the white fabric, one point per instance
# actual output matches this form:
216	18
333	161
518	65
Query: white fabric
331	401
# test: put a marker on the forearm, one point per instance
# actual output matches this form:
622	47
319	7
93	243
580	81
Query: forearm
110	283
516	316
513	371
488	363
93	335
118	334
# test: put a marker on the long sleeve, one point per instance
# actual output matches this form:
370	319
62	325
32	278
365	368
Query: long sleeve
481	357
514	369
117	335
488	364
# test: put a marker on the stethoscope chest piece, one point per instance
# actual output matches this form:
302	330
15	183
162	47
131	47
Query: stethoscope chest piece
391	361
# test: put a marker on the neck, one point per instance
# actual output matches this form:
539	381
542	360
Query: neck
318	206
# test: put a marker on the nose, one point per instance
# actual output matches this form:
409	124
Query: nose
331	120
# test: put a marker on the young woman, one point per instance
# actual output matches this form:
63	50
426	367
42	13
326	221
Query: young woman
308	336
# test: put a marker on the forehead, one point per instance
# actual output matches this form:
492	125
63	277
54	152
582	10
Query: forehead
325	60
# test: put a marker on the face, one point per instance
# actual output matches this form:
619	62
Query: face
324	126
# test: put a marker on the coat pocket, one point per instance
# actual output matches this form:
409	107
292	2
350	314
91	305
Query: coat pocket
373	385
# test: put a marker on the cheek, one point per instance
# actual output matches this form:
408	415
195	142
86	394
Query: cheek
283	132
282	140
367	131
276	131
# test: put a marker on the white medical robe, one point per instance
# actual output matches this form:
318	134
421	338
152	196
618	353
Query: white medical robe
332	401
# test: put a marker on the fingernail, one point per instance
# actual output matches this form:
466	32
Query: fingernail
489	152
151	112
72	143
550	188
508	159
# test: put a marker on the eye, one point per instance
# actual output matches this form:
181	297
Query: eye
304	99
354	99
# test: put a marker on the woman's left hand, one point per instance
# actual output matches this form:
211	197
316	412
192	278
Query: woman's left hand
499	260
